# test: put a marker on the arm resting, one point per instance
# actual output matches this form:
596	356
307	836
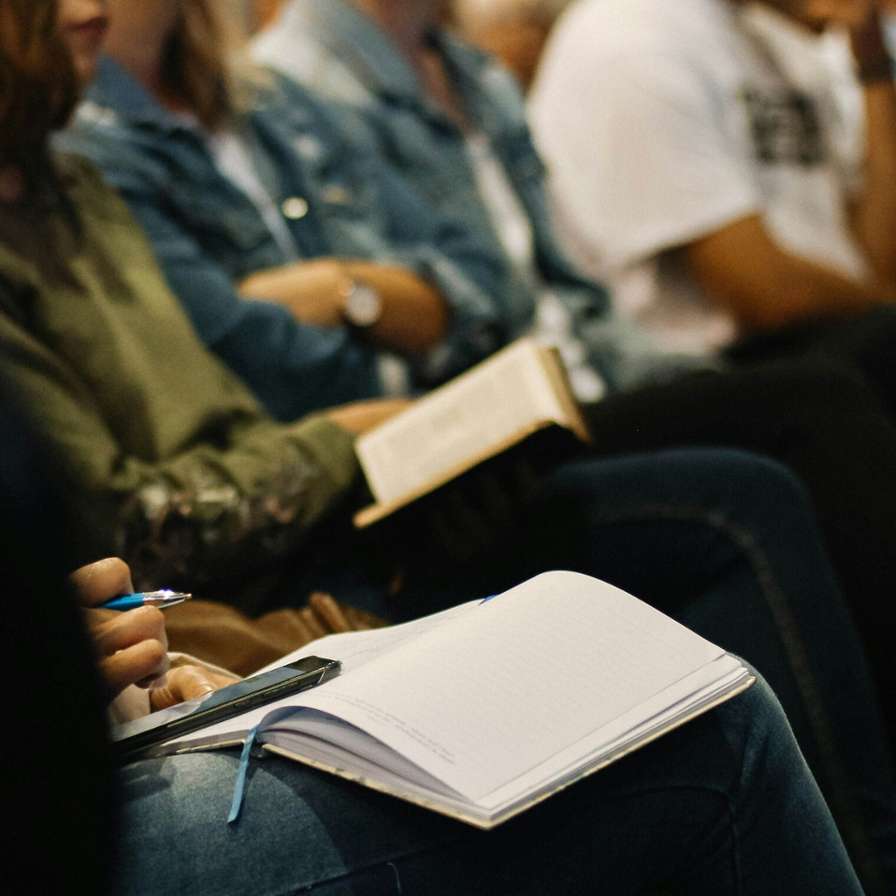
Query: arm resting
414	318
744	271
230	501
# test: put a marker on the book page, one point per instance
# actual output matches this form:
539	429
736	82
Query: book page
484	700
478	411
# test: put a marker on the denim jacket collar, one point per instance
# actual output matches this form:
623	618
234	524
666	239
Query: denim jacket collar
483	85
373	57
351	34
116	91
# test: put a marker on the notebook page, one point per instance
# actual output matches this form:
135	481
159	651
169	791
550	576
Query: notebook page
347	751
685	697
480	702
478	410
352	649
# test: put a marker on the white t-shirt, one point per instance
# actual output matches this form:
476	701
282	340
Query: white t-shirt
663	121
553	324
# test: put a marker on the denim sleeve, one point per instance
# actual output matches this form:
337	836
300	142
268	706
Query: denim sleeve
291	367
468	275
387	221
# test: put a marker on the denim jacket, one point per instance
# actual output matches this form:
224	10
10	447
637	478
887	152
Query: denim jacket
337	200
339	52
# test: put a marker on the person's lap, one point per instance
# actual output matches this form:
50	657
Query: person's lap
722	540
724	804
725	542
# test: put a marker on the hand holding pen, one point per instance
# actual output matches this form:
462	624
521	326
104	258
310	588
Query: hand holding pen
128	633
131	647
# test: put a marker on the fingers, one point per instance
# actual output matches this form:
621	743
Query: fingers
146	661
186	683
132	647
124	630
101	581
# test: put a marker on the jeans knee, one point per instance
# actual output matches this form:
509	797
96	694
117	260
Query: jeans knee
728	488
760	493
757	730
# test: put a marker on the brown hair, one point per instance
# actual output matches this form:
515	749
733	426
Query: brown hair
198	65
38	86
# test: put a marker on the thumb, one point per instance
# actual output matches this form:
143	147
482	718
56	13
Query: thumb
182	683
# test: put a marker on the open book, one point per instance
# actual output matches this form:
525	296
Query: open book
481	711
500	403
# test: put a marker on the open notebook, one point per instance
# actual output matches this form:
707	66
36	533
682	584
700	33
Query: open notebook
483	710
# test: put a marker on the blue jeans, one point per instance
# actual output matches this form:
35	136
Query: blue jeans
725	804
727	543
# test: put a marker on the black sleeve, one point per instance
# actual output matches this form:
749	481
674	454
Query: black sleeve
59	789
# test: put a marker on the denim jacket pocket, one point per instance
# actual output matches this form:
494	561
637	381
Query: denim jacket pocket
241	227
235	237
348	198
352	211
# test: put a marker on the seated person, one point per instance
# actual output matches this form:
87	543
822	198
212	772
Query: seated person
201	489
725	804
286	243
169	460
452	124
301	827
735	196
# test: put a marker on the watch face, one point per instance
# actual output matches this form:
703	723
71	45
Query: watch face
363	306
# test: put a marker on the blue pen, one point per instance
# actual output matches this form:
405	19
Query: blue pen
161	599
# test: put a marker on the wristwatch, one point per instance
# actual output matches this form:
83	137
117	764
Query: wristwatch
362	305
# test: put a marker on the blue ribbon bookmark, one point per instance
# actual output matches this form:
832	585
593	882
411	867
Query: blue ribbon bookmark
239	788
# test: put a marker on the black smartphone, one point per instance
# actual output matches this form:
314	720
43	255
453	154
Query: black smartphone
135	737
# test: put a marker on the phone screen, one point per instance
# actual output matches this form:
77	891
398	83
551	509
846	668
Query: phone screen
156	728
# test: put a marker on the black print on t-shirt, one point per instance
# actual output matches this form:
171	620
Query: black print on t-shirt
785	126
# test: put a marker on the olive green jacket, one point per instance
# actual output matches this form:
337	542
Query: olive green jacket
169	460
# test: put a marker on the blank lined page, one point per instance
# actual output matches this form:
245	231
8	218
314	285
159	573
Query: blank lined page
482	700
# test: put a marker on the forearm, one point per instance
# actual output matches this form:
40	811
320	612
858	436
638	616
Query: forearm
211	514
874	211
874	215
414	318
414	315
232	502
799	289
764	286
